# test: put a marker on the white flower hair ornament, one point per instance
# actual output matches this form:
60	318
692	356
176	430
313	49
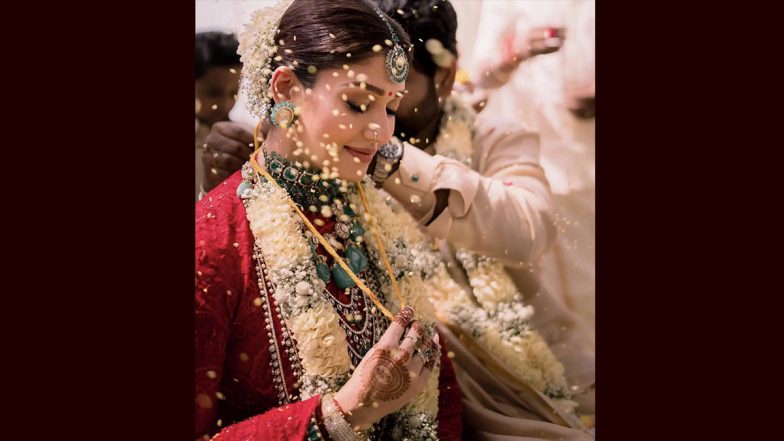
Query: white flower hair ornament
257	49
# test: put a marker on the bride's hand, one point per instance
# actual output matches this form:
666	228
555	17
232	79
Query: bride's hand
392	373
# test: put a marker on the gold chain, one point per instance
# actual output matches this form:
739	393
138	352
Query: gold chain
384	259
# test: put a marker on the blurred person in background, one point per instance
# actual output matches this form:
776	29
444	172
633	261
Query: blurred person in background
554	95
217	84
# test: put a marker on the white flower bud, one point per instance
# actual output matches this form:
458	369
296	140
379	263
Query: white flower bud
303	287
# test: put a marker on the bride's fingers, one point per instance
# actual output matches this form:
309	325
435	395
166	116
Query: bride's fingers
413	338
391	337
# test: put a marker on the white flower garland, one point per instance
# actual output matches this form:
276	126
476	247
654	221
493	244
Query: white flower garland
311	319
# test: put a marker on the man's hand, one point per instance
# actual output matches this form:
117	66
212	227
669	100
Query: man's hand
545	40
226	148
539	41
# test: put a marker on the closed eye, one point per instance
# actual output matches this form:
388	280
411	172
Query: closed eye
358	109
355	108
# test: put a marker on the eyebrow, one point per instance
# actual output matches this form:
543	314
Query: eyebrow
376	90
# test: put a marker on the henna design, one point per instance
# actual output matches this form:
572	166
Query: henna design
384	378
403	356
430	363
416	327
430	353
403	317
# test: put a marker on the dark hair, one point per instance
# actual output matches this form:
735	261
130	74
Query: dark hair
215	49
423	20
322	33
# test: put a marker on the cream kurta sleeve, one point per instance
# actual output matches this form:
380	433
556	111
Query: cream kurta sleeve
502	210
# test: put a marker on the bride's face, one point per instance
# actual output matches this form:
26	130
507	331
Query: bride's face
349	112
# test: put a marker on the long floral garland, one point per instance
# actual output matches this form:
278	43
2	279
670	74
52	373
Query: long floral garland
312	321
500	321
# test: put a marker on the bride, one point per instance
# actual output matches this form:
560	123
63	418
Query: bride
312	317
